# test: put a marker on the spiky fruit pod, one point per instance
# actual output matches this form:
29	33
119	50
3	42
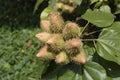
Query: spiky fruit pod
55	43
44	54
45	25
59	5
73	46
67	8
79	58
43	36
62	58
57	22
71	30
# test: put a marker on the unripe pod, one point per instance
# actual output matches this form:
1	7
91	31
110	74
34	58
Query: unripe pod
62	58
73	46
55	43
79	58
44	55
71	30
43	36
59	5
57	22
45	25
67	8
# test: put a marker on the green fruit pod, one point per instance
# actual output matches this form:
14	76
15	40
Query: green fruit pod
45	25
43	36
57	22
73	46
71	30
45	55
62	58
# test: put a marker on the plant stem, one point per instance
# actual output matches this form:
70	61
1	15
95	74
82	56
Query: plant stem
84	28
93	32
89	39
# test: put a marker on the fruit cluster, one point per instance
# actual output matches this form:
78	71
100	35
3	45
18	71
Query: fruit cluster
66	5
62	41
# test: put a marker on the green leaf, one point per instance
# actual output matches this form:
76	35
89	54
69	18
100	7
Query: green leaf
37	5
108	45
94	71
78	2
70	72
112	68
98	18
90	71
105	8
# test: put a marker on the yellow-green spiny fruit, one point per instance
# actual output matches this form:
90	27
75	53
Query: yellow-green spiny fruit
62	58
57	22
43	36
45	55
73	46
79	58
71	30
55	43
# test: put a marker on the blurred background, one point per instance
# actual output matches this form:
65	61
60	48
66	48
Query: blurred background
18	45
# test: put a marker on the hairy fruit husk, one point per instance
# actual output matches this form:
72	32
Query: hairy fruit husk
43	36
44	54
57	22
71	30
55	43
62	58
45	25
79	58
73	46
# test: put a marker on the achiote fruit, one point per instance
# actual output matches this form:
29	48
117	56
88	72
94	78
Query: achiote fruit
44	54
79	58
55	43
45	25
62	58
71	30
73	46
43	36
57	22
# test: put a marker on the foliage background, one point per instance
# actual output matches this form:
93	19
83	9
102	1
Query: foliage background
18	46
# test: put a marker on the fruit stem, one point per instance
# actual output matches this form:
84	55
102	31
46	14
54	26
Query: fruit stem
89	39
84	28
93	32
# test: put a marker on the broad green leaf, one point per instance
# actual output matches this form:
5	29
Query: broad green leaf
112	68
98	18
70	72
45	13
90	71
37	5
108	45
94	71
78	2
105	8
